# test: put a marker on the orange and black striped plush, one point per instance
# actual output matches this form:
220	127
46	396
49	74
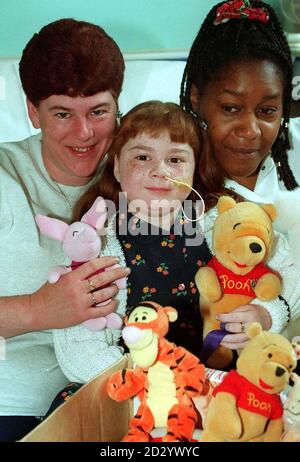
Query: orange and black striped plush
165	379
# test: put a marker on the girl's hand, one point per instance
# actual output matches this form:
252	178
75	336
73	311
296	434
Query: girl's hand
237	322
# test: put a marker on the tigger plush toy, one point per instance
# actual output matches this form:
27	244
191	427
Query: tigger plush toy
165	379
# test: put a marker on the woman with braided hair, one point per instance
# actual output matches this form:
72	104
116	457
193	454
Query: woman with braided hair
238	83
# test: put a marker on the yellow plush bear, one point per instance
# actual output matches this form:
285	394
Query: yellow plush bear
242	240
246	406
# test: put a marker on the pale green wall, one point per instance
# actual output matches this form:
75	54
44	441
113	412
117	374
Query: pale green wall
135	24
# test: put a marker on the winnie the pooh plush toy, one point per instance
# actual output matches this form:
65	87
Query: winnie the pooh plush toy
242	241
246	405
165	379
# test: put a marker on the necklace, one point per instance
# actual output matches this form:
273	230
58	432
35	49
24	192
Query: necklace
60	191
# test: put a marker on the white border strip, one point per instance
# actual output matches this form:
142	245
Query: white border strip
156	55
136	55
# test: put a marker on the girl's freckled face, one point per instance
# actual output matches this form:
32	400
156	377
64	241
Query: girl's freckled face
144	163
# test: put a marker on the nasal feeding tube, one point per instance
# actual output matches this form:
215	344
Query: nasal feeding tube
179	182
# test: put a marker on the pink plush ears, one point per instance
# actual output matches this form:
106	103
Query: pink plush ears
52	227
97	214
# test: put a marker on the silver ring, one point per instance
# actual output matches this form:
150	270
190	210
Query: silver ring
91	285
243	327
94	301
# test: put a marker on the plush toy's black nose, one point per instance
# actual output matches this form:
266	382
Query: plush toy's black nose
255	248
279	371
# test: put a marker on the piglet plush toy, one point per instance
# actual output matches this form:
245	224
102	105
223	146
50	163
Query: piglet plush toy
81	243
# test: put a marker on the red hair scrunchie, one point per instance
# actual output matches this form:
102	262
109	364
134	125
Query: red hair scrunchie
240	9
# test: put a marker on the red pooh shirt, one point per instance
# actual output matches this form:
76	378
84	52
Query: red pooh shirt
250	397
235	283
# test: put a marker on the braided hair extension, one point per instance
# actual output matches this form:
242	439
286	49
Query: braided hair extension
217	46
